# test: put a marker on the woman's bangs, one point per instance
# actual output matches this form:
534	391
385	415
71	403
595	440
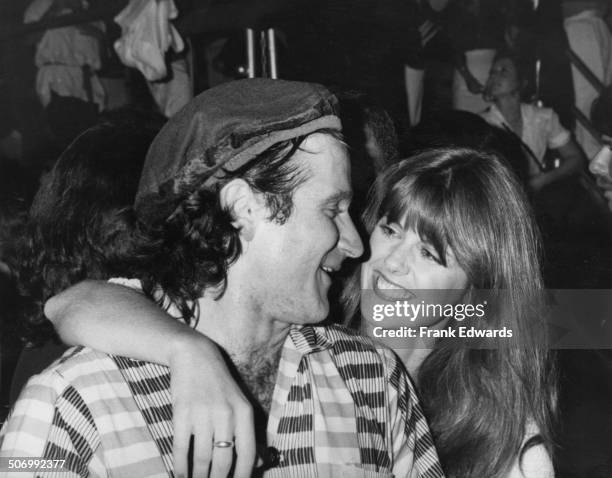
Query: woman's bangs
419	206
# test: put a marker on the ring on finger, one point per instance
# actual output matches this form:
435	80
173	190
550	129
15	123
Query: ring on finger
223	444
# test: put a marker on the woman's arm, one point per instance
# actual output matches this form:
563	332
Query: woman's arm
117	320
206	400
572	162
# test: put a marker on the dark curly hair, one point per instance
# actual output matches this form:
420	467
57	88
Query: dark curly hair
80	224
198	241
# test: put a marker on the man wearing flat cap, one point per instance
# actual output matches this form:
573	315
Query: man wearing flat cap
245	193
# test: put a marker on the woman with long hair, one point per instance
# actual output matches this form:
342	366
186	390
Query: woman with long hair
452	226
447	226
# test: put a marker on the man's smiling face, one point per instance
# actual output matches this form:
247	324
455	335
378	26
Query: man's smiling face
291	263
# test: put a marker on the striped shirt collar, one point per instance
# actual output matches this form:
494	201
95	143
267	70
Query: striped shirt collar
309	340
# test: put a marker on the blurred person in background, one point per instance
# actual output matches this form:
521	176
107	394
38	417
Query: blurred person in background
477	30
590	39
601	164
538	128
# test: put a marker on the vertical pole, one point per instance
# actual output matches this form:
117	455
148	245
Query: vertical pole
250	41
537	85
272	54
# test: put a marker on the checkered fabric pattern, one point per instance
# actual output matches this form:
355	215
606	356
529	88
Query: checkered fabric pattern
340	408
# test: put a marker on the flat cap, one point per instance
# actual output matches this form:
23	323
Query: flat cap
221	130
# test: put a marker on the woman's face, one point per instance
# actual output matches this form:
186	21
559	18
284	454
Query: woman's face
402	267
503	79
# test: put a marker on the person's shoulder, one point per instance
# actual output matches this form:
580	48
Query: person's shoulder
538	112
78	368
90	368
58	400
77	365
489	113
534	461
79	361
43	392
493	116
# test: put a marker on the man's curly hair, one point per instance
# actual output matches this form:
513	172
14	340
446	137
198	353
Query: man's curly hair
82	225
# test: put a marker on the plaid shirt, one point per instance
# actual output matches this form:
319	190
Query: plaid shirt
340	408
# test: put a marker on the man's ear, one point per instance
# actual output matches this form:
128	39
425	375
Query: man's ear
244	205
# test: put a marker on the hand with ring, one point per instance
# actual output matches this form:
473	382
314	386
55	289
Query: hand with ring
208	403
206	400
